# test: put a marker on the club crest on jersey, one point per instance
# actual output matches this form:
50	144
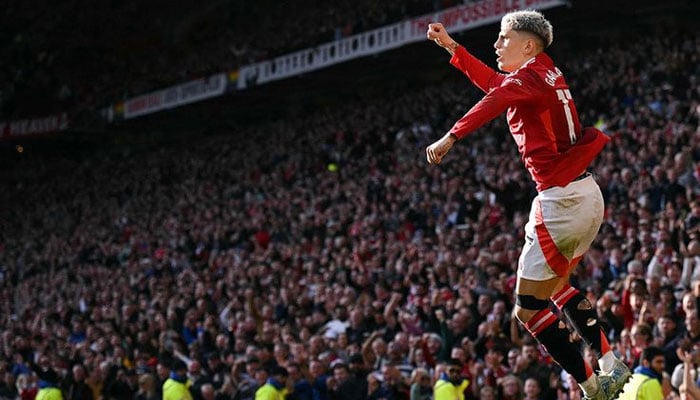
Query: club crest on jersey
552	76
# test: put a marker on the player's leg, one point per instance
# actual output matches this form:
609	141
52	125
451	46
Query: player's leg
583	317
574	305
533	311
563	223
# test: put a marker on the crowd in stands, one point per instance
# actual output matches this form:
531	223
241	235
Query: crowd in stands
323	256
128	48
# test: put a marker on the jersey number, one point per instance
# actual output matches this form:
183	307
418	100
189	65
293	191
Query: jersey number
564	96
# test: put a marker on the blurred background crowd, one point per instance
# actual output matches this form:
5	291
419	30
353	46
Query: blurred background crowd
128	48
323	252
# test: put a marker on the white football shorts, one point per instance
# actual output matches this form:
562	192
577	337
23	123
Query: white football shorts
563	223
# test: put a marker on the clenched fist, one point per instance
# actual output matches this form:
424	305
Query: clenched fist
437	150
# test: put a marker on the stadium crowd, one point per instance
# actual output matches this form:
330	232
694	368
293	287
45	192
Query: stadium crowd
144	47
332	262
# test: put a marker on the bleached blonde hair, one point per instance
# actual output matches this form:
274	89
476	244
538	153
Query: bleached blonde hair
530	21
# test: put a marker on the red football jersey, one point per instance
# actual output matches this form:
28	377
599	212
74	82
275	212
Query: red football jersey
541	115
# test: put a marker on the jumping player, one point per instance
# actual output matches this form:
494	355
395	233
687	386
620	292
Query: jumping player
567	213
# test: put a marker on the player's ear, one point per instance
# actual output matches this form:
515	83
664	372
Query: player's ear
530	45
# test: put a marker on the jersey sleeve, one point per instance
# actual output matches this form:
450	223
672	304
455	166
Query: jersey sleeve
481	75
513	89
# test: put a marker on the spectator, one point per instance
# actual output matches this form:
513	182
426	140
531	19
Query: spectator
449	384
76	388
275	387
421	388
196	378
646	380
175	387
511	388
532	390
147	388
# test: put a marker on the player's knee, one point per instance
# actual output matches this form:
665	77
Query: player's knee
526	306
522	314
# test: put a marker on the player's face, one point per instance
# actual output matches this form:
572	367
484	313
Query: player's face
511	49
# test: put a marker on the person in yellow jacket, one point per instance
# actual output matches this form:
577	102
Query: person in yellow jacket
49	393
646	380
276	386
175	387
450	384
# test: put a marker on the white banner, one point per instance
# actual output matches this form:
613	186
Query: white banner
175	96
455	19
34	126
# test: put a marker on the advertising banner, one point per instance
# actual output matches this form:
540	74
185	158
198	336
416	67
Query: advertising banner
455	19
34	126
175	96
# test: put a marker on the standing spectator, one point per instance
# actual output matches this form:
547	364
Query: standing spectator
147	388
689	337
376	390
420	385
75	387
196	378
532	389
48	380
209	392
301	387
345	386
511	388
687	384
396	383
449	384
358	371
275	387
175	387
487	393
215	370
26	387
531	365
647	377
243	378
641	337
162	375
318	379
8	386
